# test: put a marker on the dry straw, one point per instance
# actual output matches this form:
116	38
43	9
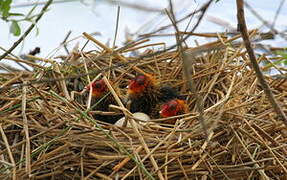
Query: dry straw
47	131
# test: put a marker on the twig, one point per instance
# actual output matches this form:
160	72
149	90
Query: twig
34	65
64	42
117	26
26	130
146	148
277	13
28	30
265	23
264	84
109	50
265	144
126	160
24	67
4	137
7	68
115	38
187	64
19	75
153	150
63	85
180	20
260	171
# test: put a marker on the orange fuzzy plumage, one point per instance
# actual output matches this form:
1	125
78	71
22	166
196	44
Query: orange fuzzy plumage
145	94
99	91
173	108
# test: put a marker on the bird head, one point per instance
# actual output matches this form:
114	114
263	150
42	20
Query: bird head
173	108
99	88
139	84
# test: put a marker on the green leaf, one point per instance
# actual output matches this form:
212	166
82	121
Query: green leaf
15	28
282	53
5	8
284	56
216	1
1	6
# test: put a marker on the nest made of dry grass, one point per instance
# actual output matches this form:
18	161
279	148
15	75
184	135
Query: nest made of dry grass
46	134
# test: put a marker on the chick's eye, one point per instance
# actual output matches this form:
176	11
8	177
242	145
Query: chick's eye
97	85
172	106
140	82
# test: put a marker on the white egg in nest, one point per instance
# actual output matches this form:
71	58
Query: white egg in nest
142	117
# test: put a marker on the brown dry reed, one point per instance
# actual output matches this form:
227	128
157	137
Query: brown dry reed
47	131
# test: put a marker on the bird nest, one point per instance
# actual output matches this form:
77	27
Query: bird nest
230	132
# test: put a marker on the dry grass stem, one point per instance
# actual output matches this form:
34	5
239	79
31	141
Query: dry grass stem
48	131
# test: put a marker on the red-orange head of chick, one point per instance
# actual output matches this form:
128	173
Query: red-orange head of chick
173	108
140	84
99	88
